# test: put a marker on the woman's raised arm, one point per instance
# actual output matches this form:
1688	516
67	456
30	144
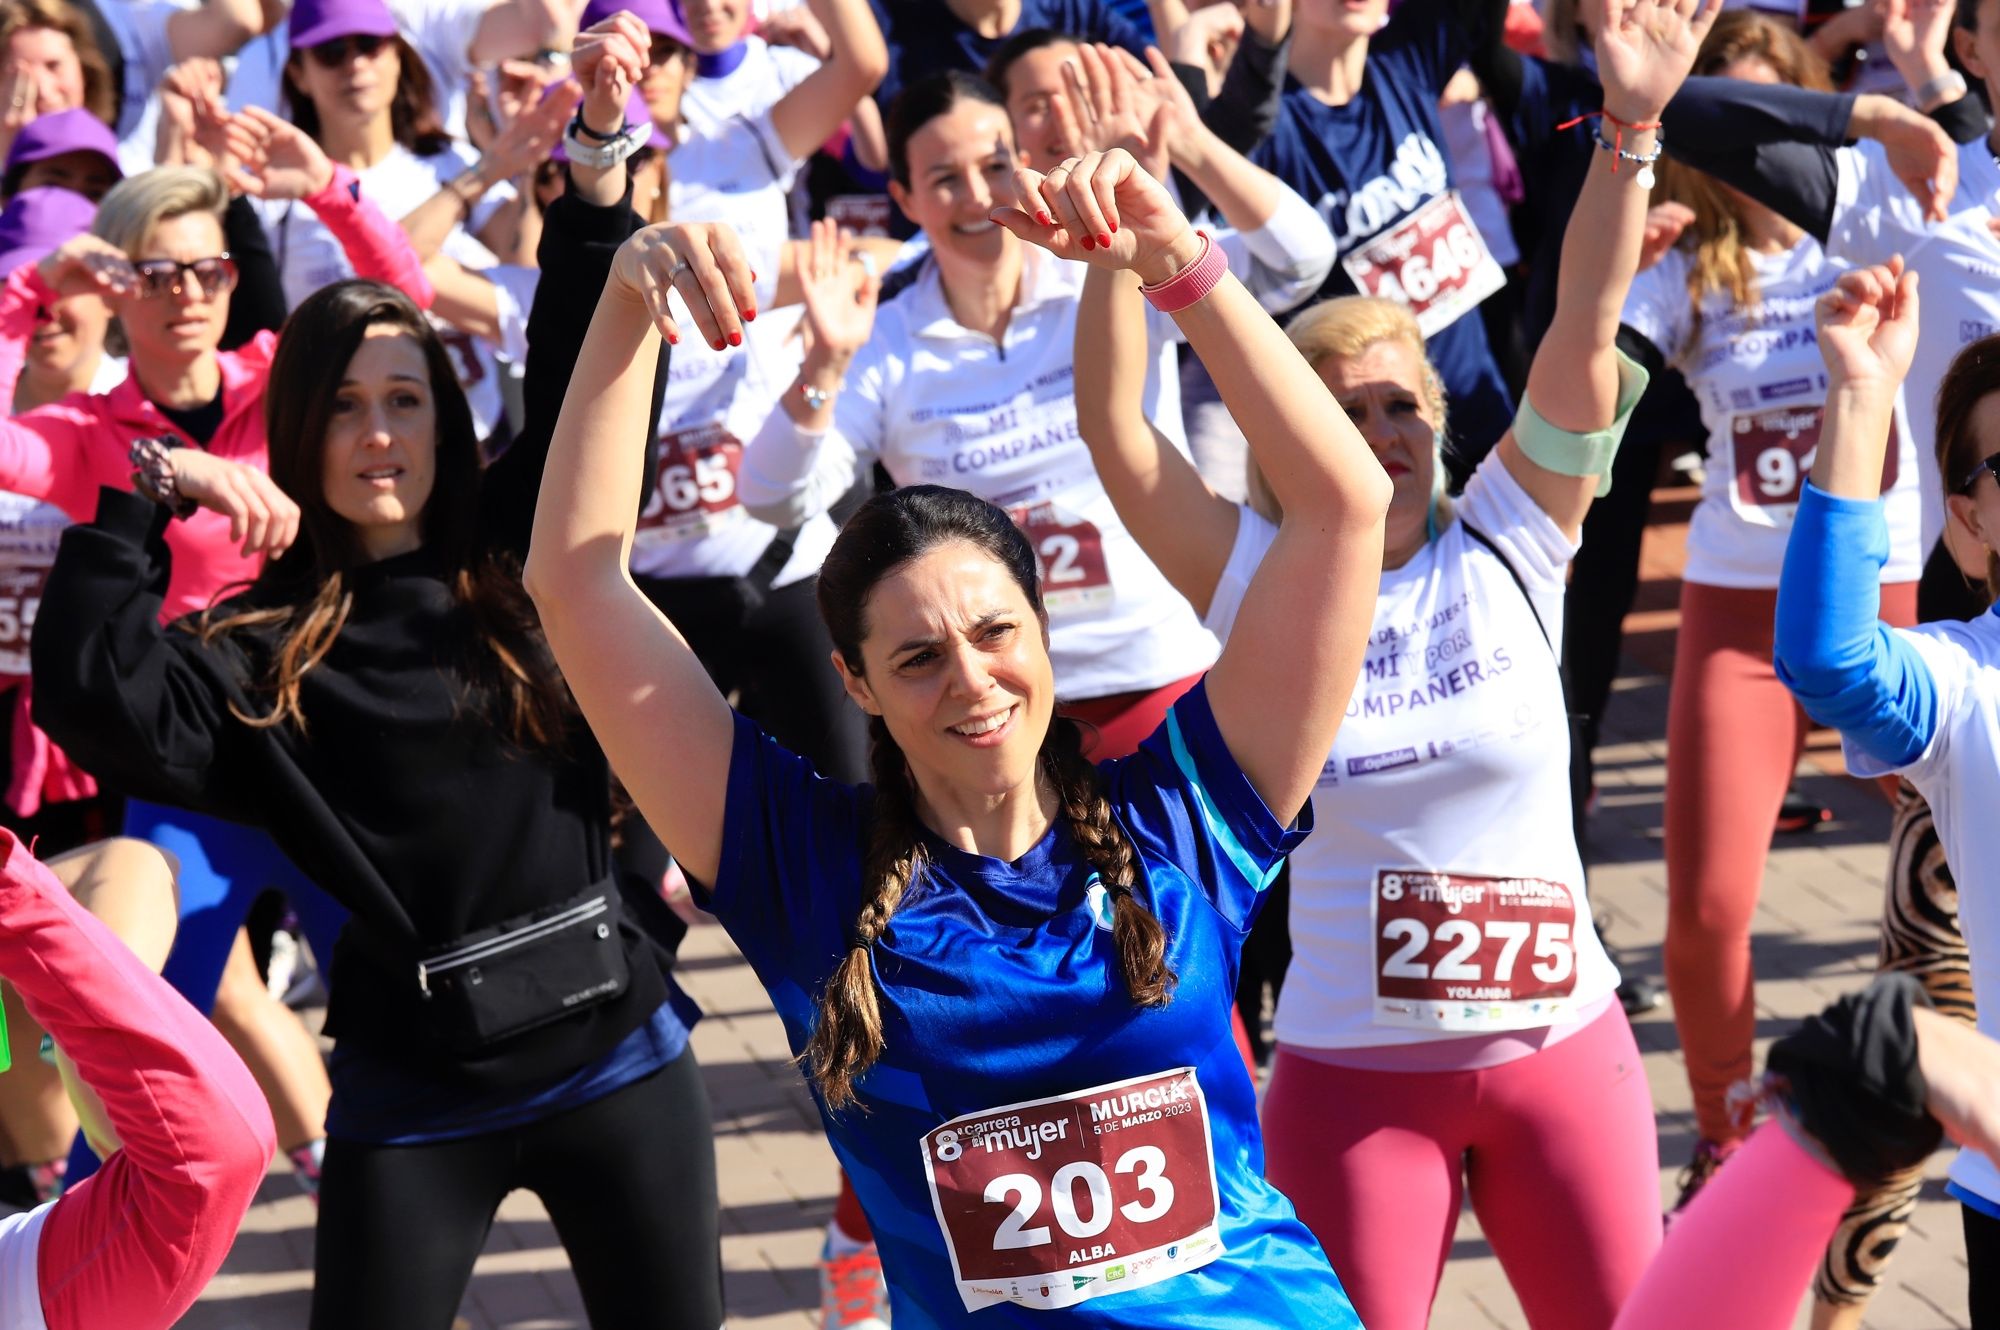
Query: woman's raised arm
652	706
1284	678
1184	527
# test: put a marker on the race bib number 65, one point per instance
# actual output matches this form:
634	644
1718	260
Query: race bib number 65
1056	1201
1459	951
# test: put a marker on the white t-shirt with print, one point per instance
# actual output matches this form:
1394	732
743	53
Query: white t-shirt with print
737	172
309	257
30	531
1447	788
940	404
759	82
1958	262
694	523
1761	383
20	1275
1959	775
441	31
141	29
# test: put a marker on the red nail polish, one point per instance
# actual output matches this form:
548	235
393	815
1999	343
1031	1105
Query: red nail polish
1104	240
736	339
1042	217
1114	228
673	339
1088	243
717	343
749	316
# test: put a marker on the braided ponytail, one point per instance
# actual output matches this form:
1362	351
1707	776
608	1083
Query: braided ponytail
1142	942
848	1037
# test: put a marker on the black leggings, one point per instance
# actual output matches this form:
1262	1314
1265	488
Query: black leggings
628	1181
1982	1260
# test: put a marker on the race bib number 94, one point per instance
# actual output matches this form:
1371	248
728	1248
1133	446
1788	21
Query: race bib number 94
1457	951
1773	453
1056	1201
1434	262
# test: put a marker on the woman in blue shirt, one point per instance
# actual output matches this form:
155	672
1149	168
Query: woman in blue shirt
1925	701
1009	971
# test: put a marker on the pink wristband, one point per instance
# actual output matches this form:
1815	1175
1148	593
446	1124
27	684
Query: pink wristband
1192	282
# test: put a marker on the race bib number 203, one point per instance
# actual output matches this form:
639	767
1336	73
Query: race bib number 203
1056	1201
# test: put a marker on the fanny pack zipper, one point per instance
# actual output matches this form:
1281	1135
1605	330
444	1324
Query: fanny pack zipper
520	937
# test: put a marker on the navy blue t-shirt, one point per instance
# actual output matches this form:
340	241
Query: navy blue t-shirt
926	38
1371	163
1033	1146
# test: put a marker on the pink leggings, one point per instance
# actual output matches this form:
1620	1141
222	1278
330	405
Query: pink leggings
1741	1254
134	1245
1558	1148
1734	734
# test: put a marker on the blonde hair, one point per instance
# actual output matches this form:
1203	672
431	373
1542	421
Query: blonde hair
1722	262
1345	327
137	204
100	98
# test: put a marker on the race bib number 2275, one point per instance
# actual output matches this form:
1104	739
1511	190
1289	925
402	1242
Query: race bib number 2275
1056	1201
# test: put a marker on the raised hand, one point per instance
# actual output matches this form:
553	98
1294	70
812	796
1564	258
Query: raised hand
609	59
261	516
1914	33
23	102
839	293
1645	49
1104	210
704	262
1099	109
1868	326
797	27
274	159
88	265
531	136
193	118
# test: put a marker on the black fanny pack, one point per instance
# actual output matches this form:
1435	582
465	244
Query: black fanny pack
528	971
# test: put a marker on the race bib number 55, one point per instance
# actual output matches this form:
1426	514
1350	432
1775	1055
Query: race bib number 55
1458	951
1056	1201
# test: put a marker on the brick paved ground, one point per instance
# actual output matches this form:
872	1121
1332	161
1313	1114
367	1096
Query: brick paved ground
1815	939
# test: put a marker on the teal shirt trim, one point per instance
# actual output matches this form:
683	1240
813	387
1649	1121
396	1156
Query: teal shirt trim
1244	862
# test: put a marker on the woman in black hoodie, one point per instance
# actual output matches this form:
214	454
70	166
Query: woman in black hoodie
382	702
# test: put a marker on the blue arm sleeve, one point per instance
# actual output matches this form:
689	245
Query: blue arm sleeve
1847	668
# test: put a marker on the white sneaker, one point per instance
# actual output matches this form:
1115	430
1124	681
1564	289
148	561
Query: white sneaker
852	1293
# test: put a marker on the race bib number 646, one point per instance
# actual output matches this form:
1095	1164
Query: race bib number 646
1056	1201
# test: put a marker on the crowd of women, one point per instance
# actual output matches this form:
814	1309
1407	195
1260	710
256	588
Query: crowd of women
1058	523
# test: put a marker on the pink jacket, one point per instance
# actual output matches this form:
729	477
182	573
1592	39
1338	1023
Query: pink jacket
65	451
133	1246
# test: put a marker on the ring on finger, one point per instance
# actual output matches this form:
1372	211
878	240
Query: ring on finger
673	273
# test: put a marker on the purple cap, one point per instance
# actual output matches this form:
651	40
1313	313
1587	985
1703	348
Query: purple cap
316	21
38	221
58	132
658	16
635	114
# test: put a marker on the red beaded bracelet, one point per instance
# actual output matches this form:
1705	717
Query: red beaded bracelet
1192	282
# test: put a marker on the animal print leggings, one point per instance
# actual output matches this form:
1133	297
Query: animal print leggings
1920	936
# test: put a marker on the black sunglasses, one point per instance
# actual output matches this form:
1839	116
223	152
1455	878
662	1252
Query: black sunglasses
333	54
166	277
1989	467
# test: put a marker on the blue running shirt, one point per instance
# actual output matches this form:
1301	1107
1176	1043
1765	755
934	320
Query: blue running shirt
1370	166
1036	1149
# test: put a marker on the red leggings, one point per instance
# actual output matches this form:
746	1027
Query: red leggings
1558	1149
1742	1253
1118	724
1734	735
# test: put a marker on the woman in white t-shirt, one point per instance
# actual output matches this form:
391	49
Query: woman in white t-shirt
1449	1023
361	91
1732	308
967	380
